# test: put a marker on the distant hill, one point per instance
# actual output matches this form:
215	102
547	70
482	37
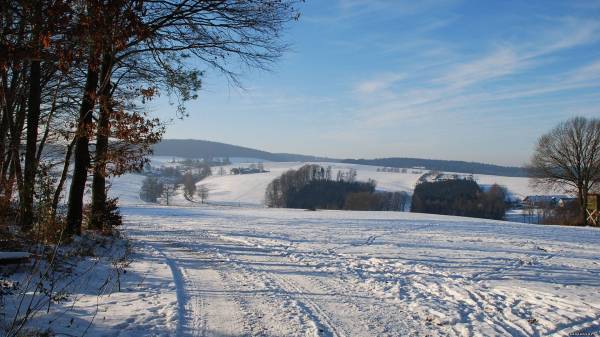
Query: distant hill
193	148
444	165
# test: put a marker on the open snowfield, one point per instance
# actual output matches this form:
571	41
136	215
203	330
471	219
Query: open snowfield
277	272
235	268
250	271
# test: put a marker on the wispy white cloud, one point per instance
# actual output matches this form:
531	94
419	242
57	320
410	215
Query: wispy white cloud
378	84
480	82
402	7
499	63
567	33
346	10
589	72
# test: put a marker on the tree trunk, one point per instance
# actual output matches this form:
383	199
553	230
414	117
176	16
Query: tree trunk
16	129
584	206
44	138
10	93
98	212
33	118
82	153
582	198
63	177
3	154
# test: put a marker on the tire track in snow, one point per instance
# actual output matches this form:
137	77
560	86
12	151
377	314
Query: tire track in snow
387	323
322	323
313	310
252	313
326	319
200	320
193	310
252	301
179	289
274	297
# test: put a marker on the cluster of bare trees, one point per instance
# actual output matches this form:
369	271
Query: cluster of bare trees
377	201
459	197
75	77
567	159
312	187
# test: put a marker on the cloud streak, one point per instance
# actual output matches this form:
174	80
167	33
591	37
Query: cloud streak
507	73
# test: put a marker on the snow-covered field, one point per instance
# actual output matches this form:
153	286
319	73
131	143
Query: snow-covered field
234	268
251	271
278	272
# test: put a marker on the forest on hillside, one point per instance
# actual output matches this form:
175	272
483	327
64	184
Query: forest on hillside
444	165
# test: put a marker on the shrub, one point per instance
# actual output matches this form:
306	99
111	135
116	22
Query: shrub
110	219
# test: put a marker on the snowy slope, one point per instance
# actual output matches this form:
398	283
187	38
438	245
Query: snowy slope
278	272
250	188
244	188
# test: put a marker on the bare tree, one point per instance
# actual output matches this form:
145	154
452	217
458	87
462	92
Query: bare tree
169	190
203	193
568	158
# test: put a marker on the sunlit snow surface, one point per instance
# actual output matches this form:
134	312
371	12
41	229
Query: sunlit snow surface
278	272
235	268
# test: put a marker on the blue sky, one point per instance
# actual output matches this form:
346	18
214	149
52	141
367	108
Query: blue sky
466	80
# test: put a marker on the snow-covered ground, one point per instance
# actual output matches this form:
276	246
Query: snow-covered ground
278	272
234	268
248	270
98	289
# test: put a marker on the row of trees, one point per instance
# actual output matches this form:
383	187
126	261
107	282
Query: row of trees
312	187
278	192
459	197
378	201
155	188
75	77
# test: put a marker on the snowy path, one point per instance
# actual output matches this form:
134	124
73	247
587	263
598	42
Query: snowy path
262	272
235	289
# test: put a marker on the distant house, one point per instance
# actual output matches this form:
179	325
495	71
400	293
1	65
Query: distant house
566	202
454	176
536	201
246	170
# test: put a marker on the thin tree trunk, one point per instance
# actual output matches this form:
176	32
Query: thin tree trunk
16	129
3	151
48	121
98	211
7	138
5	113
584	198
82	153
63	177
33	117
